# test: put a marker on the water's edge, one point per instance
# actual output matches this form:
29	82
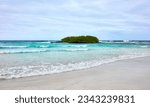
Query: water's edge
75	70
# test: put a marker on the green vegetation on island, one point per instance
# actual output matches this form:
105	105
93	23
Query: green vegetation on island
80	39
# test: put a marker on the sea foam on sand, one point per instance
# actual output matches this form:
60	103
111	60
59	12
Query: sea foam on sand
123	74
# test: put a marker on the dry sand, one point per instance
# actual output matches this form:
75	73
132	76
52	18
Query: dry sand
124	74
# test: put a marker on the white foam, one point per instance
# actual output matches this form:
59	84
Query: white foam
145	46
44	46
80	46
13	46
12	51
76	49
26	71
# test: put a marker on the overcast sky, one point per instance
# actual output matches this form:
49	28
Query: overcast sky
54	19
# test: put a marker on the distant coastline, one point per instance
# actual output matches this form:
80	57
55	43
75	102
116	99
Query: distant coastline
60	40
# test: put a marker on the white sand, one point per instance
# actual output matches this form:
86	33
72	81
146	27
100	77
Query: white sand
124	74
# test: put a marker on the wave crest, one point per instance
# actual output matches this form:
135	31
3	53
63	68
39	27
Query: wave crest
22	51
26	71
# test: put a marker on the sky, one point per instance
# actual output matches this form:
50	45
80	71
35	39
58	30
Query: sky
55	19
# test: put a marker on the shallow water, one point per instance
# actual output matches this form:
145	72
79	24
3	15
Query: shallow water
30	58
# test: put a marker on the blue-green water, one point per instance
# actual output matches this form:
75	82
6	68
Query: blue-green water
30	58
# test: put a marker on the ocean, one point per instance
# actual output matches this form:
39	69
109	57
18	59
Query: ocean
32	58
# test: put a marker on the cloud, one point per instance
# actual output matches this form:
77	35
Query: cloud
44	18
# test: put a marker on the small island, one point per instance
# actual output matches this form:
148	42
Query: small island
80	39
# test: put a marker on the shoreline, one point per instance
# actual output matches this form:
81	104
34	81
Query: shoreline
122	74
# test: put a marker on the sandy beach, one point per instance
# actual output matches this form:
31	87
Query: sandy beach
121	75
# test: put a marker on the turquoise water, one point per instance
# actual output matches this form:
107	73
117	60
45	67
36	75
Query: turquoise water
31	58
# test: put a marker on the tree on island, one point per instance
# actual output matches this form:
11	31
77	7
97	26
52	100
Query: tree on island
80	39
